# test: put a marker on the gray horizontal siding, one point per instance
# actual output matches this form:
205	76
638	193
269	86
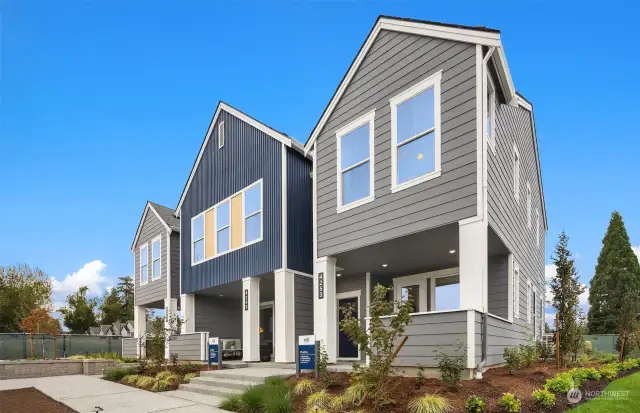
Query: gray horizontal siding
220	317
299	213
395	63
247	156
501	334
499	286
429	332
478	337
129	347
187	346
155	290
303	287
175	265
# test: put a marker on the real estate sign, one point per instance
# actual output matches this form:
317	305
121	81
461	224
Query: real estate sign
214	352
307	352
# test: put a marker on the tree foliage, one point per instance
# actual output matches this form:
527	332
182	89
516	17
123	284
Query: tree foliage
39	321
615	286
111	307
22	289
566	291
125	289
163	330
79	312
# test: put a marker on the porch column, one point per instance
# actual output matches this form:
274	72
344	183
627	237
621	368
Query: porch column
140	328
325	313
188	307
284	315
251	319
170	313
473	265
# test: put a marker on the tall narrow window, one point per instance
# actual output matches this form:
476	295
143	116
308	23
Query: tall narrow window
253	213
197	238
528	205
144	264
220	134
415	134
537	228
155	258
411	292
516	173
534	306
355	162
490	115
529	305
223	229
516	291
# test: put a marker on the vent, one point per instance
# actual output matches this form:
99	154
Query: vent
220	134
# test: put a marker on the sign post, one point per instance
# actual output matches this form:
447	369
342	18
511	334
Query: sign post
307	353
215	356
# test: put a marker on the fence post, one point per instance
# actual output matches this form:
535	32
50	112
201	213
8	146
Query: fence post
24	346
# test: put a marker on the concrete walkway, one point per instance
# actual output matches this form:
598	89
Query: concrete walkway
83	393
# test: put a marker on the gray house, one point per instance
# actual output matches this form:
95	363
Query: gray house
427	180
156	252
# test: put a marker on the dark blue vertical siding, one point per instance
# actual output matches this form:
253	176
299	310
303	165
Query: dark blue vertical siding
299	213
247	156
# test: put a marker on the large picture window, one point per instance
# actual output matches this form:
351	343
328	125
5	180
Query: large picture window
415	134
355	162
144	265
155	258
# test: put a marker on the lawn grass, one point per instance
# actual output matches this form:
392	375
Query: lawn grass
623	403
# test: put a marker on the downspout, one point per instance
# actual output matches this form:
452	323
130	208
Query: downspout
483	362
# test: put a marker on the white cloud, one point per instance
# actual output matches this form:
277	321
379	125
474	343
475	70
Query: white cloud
584	299
91	274
550	318
636	249
549	272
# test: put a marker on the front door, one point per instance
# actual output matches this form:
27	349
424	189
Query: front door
346	349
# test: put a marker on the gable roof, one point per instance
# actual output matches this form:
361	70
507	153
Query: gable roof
468	34
279	136
94	330
165	215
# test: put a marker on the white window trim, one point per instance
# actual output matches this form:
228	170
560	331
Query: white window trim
145	264
491	106
342	296
537	228
516	172
245	216
516	290
432	81
421	281
368	118
529	205
159	258
228	226
193	241
529	296
221	133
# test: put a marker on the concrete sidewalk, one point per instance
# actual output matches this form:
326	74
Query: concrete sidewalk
83	393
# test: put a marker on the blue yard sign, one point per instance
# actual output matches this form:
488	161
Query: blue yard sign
213	350
307	352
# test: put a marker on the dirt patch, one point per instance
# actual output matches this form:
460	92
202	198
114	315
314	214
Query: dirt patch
30	400
490	388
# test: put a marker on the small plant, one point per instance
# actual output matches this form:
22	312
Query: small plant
608	372
231	403
513	358
588	348
117	373
276	402
305	387
474	404
544	398
187	377
420	376
510	403
451	367
251	399
529	354
355	394
582	360
545	351
320	399
338	404
160	385
145	382
429	403
163	375
327	377
175	362
130	379
583	374
561	383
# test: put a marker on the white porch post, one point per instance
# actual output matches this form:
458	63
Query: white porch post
140	328
251	319
284	315
187	307
325	313
170	313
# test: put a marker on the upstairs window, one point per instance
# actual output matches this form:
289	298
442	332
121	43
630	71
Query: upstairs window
223	227
528	205
197	236
220	134
253	213
490	113
355	162
144	265
415	134
516	173
155	258
516	291
537	228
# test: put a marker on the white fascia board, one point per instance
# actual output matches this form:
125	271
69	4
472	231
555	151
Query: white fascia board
482	37
144	214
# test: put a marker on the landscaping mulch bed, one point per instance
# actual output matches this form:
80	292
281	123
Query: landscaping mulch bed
30	400
490	388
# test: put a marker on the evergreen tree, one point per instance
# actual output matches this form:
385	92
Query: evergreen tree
615	285
79	313
125	289
566	291
111	307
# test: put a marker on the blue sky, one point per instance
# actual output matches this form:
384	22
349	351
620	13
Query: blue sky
105	104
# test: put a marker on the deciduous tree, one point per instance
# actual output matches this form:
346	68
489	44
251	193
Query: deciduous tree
111	307
22	289
79	313
39	321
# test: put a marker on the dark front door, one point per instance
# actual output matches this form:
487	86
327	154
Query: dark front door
346	349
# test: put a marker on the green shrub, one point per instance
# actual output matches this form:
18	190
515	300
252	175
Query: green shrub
545	351
608	372
583	359
117	373
544	397
130	379
252	399
305	387
145	382
608	358
161	385
163	375
583	374
588	348
529	354
231	403
561	383
474	404
338	403
510	403
321	399
276	381
513	358
429	403
355	394
187	377
420	376
451	367
275	401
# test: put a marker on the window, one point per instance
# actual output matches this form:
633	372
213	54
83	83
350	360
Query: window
534	306
516	291
144	265
223	227
516	172
220	134
355	162
197	237
490	114
155	258
447	293
253	213
537	228
528	205
411	292
530	306
415	134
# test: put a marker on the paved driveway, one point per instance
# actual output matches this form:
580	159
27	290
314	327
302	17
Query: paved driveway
83	393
